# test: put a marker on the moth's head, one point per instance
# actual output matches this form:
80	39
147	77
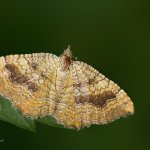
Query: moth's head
67	52
66	58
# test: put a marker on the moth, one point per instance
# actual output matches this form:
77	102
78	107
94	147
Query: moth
73	92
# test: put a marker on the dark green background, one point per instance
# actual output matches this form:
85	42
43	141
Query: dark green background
111	35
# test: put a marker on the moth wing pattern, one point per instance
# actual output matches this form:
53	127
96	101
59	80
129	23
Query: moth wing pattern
27	80
73	92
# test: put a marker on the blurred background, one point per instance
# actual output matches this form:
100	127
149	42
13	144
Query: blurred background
113	36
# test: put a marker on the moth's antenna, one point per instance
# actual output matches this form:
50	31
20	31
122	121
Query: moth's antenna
69	47
76	58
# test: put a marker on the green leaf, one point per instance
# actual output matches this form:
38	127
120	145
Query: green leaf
11	115
51	121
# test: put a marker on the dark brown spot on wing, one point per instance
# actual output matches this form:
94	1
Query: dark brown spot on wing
34	65
77	85
16	76
32	86
101	99
19	78
11	68
44	76
97	100
91	81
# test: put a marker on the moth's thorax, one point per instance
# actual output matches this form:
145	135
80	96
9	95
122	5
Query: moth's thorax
66	59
